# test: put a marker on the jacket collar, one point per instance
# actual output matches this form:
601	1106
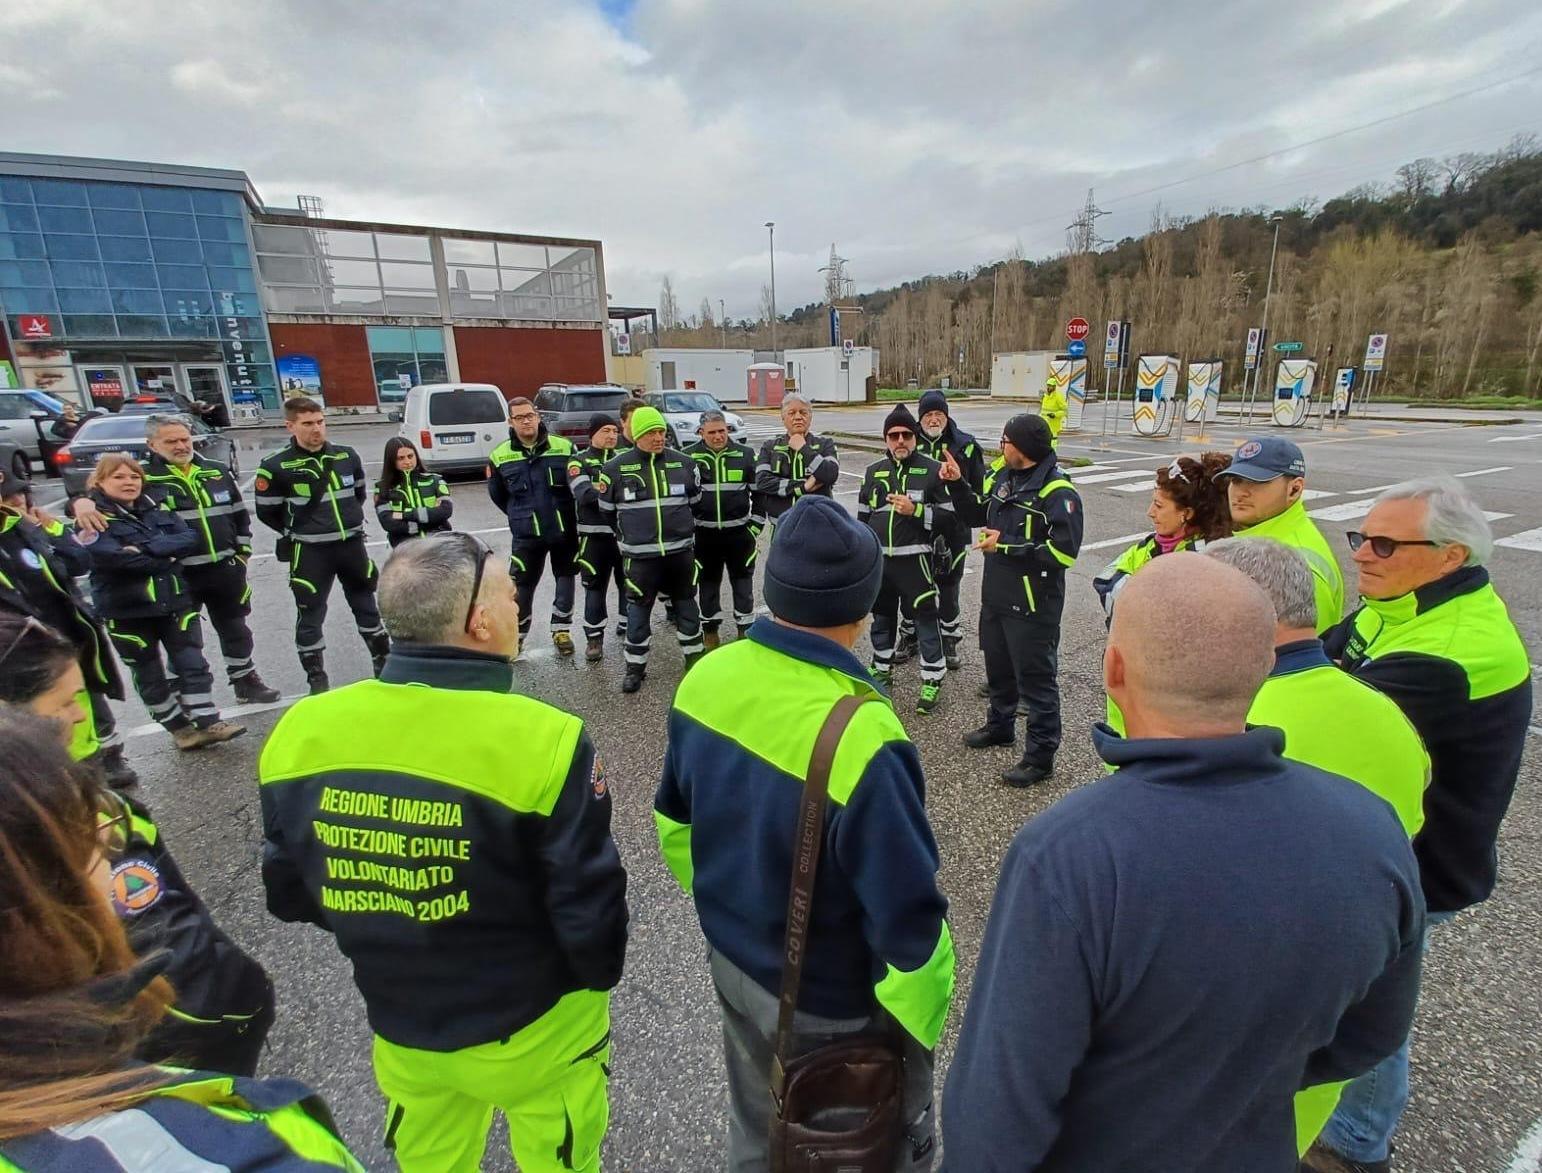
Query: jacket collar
141	506
294	450
157	465
1431	595
541	438
1299	656
1292	515
437	666
1194	761
1035	478
812	649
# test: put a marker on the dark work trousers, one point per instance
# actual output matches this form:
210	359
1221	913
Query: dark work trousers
230	1045
948	573
674	577
908	590
599	564
102	720
313	568
527	561
221	589
732	550
1021	659
174	703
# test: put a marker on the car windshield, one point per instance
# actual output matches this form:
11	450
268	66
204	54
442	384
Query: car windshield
112	427
466	406
600	399
687	401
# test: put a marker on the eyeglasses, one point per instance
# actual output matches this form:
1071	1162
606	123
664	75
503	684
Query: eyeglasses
1005	442
900	434
32	624
1175	470
481	551
1383	547
114	821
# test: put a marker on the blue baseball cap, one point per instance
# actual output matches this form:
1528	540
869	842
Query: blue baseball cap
1264	458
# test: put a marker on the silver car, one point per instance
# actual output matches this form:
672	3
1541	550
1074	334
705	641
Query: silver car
125	432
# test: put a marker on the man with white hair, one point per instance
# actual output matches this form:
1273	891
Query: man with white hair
1432	634
795	463
454	837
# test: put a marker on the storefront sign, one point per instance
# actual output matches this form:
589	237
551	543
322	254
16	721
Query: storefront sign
33	326
105	387
299	374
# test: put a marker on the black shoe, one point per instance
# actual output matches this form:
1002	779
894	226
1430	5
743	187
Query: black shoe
117	773
989	735
633	679
251	690
1321	1159
594	651
904	650
983	691
1026	774
950	655
692	659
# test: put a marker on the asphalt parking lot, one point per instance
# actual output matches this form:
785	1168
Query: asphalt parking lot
1477	1104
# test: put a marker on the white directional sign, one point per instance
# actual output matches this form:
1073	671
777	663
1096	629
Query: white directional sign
1375	352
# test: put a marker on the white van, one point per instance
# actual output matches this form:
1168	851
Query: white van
455	426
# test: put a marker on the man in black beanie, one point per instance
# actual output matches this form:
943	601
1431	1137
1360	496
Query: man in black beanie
1033	531
599	559
904	501
880	955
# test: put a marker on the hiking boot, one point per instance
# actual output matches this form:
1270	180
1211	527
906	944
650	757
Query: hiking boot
1026	774
633	679
316	680
711	640
931	694
989	735
883	676
116	772
563	642
379	646
904	648
252	690
594	650
950	655
221	731
621	626
692	659
1321	1159
189	737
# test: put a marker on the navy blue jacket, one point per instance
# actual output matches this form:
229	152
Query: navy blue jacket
1175	950
134	570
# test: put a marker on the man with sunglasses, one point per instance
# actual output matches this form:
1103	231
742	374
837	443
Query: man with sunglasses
1433	635
905	502
1033	531
457	844
1265	487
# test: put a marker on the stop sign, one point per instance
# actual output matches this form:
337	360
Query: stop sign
1077	329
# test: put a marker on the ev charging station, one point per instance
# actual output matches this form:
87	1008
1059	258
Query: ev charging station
1156	388
1204	398
1293	381
1072	373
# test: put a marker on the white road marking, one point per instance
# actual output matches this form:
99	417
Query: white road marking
1528	1154
1483	472
1352	509
1106	542
1515	439
1104	478
1530	539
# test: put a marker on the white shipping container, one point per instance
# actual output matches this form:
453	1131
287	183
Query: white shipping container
720	373
1020	374
824	374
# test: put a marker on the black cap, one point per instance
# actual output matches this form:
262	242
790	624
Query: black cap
1265	458
601	419
900	417
824	568
1030	435
933	400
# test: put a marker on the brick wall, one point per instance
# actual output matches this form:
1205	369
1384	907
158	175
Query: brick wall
347	377
519	359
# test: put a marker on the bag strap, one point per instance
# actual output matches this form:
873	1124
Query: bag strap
805	866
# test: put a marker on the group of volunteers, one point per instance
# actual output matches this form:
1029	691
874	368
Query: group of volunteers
1206	960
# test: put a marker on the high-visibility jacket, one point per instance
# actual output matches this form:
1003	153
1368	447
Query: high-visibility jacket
584	477
916	478
728	497
204	494
196	1120
781	471
312	496
419	503
970	458
1039	515
530	485
1450	656
1053	408
726	808
135	562
652	497
1113	577
1295	529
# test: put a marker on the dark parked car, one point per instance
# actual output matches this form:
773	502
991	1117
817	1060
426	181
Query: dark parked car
125	432
566	407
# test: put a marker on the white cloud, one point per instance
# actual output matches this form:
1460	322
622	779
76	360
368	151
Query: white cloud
920	139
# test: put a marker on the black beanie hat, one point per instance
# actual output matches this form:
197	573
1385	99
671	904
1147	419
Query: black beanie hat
1030	435
824	568
601	419
933	400
900	417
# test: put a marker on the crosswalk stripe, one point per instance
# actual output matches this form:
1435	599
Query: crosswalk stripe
1103	478
1106	542
1530	539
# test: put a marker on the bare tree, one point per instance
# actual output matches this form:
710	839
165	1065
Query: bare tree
1462	169
669	307
705	314
1417	179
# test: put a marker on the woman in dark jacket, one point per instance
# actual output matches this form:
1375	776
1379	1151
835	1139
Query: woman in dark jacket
138	589
409	500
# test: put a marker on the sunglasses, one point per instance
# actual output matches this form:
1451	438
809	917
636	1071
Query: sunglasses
32	624
1383	547
900	434
113	824
481	551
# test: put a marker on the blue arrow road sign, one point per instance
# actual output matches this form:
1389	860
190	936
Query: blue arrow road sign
1077	349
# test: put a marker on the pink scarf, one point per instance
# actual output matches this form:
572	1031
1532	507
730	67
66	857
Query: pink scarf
1167	543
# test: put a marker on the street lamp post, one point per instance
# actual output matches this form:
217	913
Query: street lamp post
771	231
1263	340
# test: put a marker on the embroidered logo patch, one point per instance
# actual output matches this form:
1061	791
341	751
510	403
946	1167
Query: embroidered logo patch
597	779
30	557
1249	449
261	484
136	887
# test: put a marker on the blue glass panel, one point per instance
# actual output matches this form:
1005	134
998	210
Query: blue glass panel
113	195
243	305
166	199
430	340
59	192
14	245
85	301
130	276
137	301
232	280
188	302
18	218
219	228
118	222
15	191
16	274
124	248
64	219
389	339
30	301
178	252
170	224
193	327
135	327
90	326
182	277
237	327
226	254
78	274
71	248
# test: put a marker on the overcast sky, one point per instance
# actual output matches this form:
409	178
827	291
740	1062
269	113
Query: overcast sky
922	136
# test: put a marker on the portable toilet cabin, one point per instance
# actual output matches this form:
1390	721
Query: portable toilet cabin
767	383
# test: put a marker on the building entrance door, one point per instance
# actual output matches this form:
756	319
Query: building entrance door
205	382
155	379
103	387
